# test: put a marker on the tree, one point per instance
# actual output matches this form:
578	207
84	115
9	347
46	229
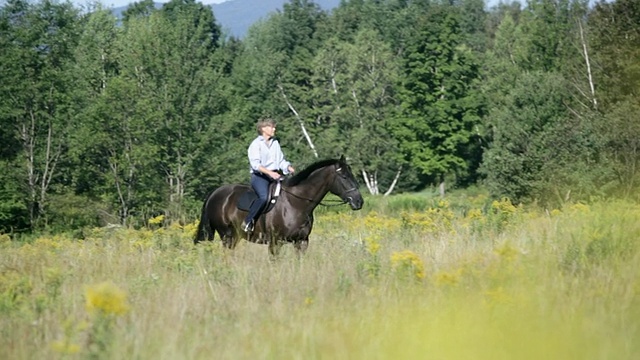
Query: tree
533	140
114	142
441	106
615	38
275	73
543	143
622	130
355	85
142	8
40	40
187	89
615	43
122	135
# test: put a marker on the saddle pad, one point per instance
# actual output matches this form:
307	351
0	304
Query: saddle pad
246	199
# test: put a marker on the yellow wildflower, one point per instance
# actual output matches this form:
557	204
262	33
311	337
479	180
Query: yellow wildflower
156	220
308	300
372	244
507	252
106	298
407	260
504	206
190	229
474	214
579	208
448	278
443	204
497	296
64	347
5	240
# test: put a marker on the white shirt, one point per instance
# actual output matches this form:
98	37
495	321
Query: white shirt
270	156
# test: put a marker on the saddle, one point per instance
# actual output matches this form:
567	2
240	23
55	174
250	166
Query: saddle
246	199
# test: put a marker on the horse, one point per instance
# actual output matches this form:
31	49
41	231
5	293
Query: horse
290	219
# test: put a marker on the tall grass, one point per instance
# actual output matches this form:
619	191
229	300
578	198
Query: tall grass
446	281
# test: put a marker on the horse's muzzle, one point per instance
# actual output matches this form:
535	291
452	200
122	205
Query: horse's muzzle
355	203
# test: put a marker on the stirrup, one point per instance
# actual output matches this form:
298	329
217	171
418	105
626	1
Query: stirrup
247	226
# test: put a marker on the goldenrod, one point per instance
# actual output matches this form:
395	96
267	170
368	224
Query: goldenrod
106	298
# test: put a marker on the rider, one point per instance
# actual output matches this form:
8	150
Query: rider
265	159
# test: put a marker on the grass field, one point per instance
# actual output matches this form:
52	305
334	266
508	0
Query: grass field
441	282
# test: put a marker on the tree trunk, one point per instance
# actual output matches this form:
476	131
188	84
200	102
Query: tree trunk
38	180
585	53
395	181
27	135
370	185
304	130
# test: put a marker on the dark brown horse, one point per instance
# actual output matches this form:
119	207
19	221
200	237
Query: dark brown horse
291	219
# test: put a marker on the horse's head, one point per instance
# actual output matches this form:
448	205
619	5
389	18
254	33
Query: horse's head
345	185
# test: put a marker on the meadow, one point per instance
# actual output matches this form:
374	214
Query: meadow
412	279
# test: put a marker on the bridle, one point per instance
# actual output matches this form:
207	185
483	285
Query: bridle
349	197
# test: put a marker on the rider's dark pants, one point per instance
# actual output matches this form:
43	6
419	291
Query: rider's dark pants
260	184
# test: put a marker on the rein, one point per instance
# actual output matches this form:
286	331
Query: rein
333	203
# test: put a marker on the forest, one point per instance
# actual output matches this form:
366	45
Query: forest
117	121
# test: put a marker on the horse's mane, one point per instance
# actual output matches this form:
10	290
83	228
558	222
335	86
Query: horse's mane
302	175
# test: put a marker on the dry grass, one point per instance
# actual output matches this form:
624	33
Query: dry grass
507	284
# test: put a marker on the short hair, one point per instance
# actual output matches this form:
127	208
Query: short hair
264	122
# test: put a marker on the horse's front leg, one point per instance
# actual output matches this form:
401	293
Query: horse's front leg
301	246
274	245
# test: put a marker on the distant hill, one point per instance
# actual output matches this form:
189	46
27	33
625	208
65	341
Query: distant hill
236	16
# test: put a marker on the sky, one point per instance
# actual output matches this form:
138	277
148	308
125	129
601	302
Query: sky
119	3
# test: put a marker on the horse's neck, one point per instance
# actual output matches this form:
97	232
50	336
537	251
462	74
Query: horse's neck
314	188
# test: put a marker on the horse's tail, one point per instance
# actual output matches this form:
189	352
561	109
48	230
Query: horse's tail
204	230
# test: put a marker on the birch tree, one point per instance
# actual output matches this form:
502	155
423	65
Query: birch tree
355	82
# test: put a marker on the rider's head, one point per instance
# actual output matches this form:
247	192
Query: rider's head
262	123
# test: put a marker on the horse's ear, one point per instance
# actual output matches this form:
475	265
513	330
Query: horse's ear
342	159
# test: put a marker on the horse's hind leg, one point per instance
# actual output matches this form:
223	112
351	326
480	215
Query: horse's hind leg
212	233
229	239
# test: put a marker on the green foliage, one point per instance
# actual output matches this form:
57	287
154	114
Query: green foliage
354	89
537	144
146	117
15	291
544	142
75	212
604	241
615	38
441	105
39	40
615	41
542	34
14	214
621	129
142	8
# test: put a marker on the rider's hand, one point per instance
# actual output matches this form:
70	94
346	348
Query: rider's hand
291	169
274	175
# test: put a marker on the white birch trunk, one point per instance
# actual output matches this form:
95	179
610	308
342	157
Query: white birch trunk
304	130
585	53
365	176
393	184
